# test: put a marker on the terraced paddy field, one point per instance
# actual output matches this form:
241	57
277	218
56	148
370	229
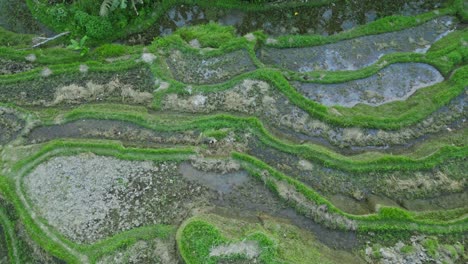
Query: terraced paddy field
233	132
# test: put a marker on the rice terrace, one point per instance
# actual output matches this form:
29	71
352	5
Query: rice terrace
233	131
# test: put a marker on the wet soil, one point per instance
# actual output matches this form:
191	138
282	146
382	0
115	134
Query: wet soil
449	201
128	133
221	183
11	67
255	208
88	197
10	125
328	181
59	195
3	247
296	19
79	87
197	69
244	197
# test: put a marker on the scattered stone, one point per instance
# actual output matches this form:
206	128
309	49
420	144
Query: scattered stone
31	57
194	43
250	249
250	37
305	165
148	57
271	41
46	72
84	68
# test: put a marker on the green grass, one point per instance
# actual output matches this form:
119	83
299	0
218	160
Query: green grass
197	237
8	39
357	163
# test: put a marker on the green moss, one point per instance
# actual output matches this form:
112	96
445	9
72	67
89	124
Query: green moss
110	50
9	39
451	250
432	246
407	249
218	134
209	35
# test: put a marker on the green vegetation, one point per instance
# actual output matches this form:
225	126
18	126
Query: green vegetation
94	24
8	38
278	242
79	46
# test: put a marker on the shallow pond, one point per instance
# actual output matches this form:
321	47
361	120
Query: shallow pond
356	53
393	83
287	19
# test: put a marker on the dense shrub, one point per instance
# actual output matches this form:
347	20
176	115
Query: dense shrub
94	26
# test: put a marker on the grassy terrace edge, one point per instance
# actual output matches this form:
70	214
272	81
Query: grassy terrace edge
445	54
323	155
387	219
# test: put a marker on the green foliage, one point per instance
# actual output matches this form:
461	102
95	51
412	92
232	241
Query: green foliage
462	9
394	213
407	249
110	50
197	237
58	12
79	46
94	26
432	246
108	6
216	133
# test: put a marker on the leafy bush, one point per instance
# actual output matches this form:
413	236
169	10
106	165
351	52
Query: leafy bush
58	12
94	26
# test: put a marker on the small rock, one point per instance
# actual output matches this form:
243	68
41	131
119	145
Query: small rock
194	43
250	37
84	68
31	58
271	41
148	57
46	72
